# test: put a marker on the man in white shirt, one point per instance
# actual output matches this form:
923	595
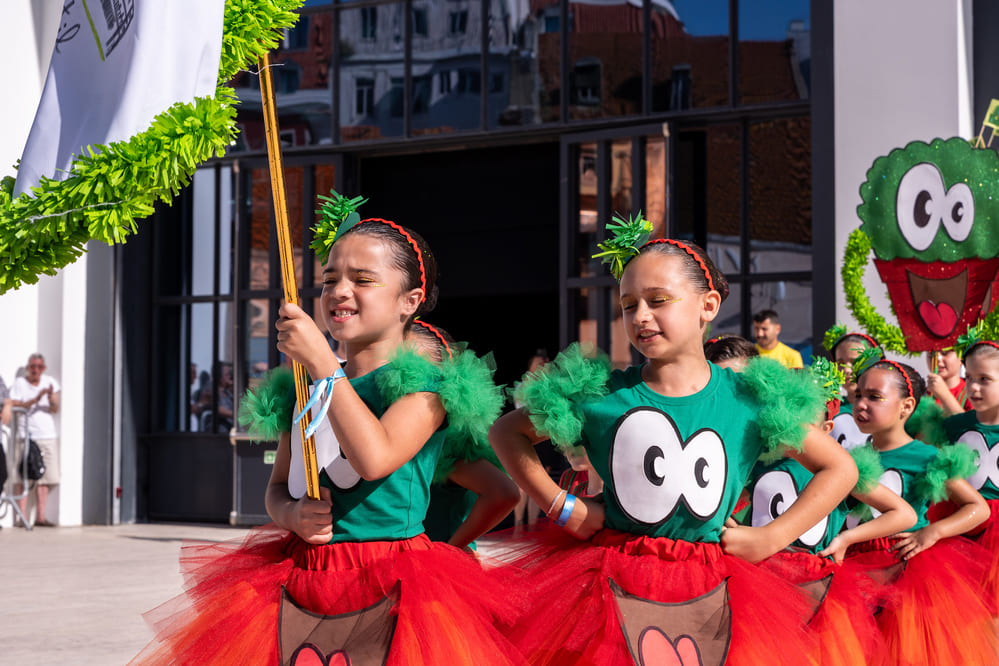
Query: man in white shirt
40	394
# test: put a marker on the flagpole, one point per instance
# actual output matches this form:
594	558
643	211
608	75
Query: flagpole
287	261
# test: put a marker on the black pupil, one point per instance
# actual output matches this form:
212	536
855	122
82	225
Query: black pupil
699	468
774	501
653	453
957	212
919	212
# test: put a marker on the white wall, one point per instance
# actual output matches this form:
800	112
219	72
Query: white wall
50	316
902	73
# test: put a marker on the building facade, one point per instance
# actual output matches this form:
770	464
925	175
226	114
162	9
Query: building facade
508	132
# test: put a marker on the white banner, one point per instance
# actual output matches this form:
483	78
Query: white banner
116	65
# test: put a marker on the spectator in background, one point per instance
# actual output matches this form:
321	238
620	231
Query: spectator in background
41	395
766	327
946	384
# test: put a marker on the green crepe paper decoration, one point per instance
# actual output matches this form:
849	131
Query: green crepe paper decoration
828	377
958	162
952	462
267	410
858	246
789	400
472	399
337	215
832	336
867	359
926	423
409	372
553	396
627	237
869	468
109	187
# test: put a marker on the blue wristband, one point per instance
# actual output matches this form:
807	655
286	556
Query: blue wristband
563	518
320	386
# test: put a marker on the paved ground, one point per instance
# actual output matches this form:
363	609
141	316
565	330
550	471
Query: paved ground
76	595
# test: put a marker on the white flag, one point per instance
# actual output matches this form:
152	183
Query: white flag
116	65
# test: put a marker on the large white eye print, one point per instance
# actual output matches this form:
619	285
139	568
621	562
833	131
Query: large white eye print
846	432
919	205
958	212
988	459
773	493
653	470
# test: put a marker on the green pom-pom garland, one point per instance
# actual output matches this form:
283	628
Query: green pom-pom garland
789	402
926	423
858	247
109	187
952	462
627	237
267	411
869	467
552	396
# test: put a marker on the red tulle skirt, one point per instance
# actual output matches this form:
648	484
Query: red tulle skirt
844	628
986	535
447	610
575	619
937	612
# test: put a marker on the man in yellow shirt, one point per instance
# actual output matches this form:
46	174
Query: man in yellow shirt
766	326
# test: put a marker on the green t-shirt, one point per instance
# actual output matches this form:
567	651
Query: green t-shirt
390	508
672	467
903	466
450	505
775	487
845	430
982	439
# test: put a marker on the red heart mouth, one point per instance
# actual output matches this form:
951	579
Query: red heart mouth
940	319
657	649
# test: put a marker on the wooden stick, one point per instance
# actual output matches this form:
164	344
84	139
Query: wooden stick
287	261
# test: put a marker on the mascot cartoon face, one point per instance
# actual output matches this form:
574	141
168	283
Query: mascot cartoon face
930	212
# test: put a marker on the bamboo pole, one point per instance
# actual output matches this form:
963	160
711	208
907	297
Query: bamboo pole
287	261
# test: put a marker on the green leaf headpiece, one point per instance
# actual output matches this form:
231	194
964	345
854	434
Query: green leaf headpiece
868	359
970	338
829	378
337	214
627	237
832	336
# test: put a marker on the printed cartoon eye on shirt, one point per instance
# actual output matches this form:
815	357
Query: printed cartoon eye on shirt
845	430
776	490
890	479
902	467
983	440
672	466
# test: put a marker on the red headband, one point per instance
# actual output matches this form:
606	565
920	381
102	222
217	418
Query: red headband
689	250
415	246
905	375
980	342
433	329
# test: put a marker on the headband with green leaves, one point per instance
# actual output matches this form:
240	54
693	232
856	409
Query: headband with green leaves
868	358
626	238
829	378
337	214
970	338
832	336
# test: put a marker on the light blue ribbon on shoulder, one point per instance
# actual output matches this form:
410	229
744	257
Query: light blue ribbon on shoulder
320	386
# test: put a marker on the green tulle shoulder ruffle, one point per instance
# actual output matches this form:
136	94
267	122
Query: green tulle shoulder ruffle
926	423
267	410
473	402
789	401
952	462
869	467
552	396
408	372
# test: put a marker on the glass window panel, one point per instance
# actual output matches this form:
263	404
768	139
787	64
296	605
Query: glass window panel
226	248
258	324
540	53
587	315
605	59
203	233
792	301
260	229
371	72
175	383
202	409
656	210
325	183
447	77
729	319
621	350
780	195
515	98
774	51
690	64
586	237
707	185
621	186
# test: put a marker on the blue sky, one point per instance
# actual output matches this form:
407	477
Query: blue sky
759	20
